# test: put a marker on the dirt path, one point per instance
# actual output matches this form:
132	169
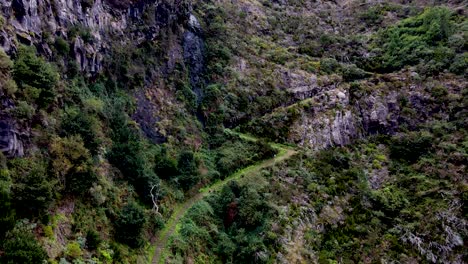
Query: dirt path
284	153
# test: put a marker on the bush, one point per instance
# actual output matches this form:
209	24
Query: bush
329	65
460	64
390	199
372	16
20	246
62	46
24	111
127	154
92	239
411	147
352	73
253	208
129	225
73	250
6	65
10	87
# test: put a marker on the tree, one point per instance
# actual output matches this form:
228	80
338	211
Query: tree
20	246
77	122
253	208
31	71
7	214
165	166
32	190
129	225
155	192
72	164
188	170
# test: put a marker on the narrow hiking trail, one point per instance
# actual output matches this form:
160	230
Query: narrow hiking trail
284	152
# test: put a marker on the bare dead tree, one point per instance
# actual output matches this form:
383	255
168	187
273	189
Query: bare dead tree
155	192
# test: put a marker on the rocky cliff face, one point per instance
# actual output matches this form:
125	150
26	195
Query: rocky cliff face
194	54
11	138
92	28
96	22
380	106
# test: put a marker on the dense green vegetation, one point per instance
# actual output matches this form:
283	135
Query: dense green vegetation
389	198
109	154
236	216
433	38
377	200
68	161
95	124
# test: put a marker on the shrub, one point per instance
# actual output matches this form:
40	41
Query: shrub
49	232
390	199
129	225
24	111
372	16
460	64
253	208
165	166
20	246
73	250
5	63
329	65
92	239
127	153
62	46
311	48
411	147
352	73
130	160
10	87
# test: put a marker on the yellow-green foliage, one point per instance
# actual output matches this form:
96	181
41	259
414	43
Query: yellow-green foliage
73	250
49	232
2	21
72	163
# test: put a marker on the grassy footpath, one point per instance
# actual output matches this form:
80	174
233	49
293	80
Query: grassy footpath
156	253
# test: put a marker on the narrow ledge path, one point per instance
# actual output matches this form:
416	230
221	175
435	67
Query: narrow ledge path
158	249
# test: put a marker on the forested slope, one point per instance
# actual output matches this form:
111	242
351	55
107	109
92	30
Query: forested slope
113	113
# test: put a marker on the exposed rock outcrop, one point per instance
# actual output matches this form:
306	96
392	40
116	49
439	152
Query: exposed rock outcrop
338	116
92	28
92	24
194	50
11	139
10	143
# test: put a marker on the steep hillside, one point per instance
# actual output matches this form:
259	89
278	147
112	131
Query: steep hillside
114	113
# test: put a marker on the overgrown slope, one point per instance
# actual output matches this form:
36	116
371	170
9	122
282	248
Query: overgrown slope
113	112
